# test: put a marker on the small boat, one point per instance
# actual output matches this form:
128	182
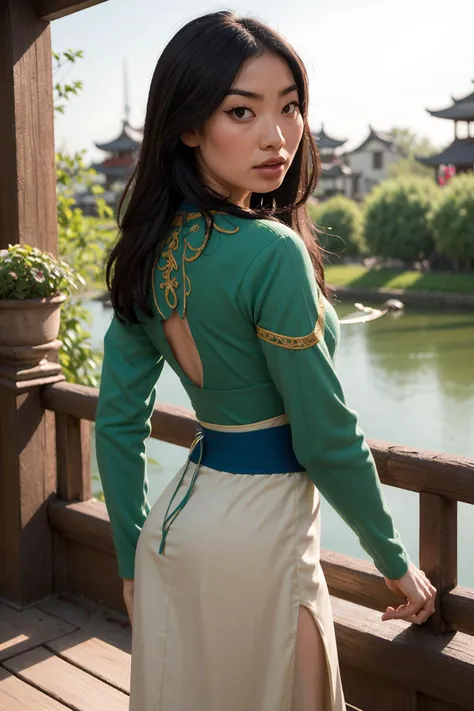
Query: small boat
368	313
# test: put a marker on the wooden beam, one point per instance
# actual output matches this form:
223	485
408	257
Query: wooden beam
439	549
49	10
403	467
440	667
27	482
27	175
73	453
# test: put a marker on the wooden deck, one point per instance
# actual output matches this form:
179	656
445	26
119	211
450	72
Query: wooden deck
64	654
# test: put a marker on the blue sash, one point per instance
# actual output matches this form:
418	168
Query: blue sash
264	451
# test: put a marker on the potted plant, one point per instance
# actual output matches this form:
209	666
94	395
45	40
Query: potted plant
33	285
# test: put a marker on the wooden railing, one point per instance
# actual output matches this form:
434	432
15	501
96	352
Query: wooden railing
413	661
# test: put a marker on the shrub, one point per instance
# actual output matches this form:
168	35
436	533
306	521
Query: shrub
397	218
453	222
341	224
28	273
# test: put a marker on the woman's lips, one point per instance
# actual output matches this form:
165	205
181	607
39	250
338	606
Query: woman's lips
271	171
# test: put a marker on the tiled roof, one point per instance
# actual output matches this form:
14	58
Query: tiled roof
326	142
128	140
461	109
460	152
385	138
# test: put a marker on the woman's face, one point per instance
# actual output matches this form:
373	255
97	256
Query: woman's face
258	122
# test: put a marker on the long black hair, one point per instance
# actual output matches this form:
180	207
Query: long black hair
191	79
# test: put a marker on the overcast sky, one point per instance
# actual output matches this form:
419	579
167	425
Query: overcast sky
369	61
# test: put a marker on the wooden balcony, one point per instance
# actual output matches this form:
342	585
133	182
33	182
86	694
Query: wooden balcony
60	649
384	665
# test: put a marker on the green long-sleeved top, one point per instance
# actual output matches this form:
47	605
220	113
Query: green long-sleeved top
267	339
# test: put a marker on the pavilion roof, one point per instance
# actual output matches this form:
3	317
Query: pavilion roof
460	110
335	170
326	142
113	171
130	139
460	152
385	138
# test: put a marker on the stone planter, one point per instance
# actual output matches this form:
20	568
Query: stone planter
28	331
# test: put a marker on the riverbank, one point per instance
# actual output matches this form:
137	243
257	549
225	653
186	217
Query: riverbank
445	289
354	281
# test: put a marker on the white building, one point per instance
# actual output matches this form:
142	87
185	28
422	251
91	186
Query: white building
335	174
370	162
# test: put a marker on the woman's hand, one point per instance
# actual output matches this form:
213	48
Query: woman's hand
128	596
420	595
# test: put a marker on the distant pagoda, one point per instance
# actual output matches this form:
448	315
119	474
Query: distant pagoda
334	172
122	155
460	153
122	151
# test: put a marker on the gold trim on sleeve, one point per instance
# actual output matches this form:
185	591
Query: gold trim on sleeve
294	343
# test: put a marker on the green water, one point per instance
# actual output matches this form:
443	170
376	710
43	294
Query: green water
411	379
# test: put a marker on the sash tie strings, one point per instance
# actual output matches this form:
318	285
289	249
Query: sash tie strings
170	517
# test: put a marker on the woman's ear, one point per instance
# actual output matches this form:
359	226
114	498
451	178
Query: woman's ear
190	139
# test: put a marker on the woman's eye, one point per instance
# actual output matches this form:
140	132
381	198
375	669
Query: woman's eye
291	108
240	112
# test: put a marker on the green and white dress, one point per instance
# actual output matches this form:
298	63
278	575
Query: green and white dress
228	554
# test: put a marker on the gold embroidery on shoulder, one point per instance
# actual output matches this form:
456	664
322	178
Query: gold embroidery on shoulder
293	343
197	250
226	232
170	283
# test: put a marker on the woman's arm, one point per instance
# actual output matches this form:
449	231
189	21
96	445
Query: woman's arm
282	298
130	370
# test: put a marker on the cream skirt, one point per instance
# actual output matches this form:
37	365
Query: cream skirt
215	615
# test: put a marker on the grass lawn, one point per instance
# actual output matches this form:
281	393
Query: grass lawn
358	276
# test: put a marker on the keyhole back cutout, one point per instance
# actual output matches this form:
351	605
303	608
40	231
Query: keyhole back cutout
181	342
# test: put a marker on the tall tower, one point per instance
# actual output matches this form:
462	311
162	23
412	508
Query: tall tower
122	151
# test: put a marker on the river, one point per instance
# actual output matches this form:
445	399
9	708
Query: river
409	376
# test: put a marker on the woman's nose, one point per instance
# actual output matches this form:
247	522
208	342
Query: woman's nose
272	136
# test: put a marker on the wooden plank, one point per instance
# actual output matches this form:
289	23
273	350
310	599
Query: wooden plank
411	469
86	522
73	449
65	682
439	549
458	608
20	631
91	617
28	175
420	470
54	9
26	565
95	656
374	693
427	704
356	580
94	574
170	423
441	667
16	695
348	578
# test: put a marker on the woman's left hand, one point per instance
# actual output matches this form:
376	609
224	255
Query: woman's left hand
128	589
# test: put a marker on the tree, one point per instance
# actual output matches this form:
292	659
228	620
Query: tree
340	222
453	222
398	215
411	145
81	243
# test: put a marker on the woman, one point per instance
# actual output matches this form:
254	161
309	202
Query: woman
217	273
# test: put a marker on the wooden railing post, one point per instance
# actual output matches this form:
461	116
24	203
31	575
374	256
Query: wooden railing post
27	483
73	458
27	215
438	550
